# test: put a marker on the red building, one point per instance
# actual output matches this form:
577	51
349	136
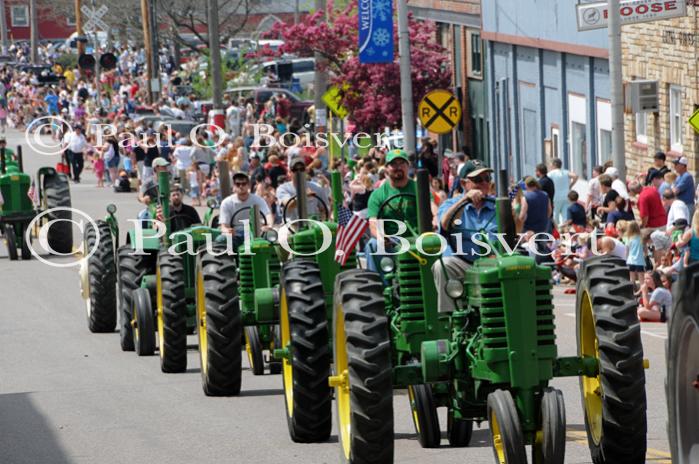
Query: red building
51	25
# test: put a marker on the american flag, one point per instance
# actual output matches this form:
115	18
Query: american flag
350	229
31	193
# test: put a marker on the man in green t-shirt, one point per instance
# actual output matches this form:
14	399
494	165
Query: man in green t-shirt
402	209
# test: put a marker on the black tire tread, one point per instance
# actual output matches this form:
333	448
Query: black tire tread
429	435
370	367
501	402
57	194
174	357
224	325
624	422
310	351
257	362
101	272
11	238
131	269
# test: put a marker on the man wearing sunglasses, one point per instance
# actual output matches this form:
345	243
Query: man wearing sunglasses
314	192
240	199
460	218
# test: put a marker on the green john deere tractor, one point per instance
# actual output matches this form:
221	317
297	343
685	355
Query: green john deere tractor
489	360
682	356
156	286
255	290
17	209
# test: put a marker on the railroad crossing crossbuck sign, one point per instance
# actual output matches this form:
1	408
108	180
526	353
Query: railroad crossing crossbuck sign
94	18
439	111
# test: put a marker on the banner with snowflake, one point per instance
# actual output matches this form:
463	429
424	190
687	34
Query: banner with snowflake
376	31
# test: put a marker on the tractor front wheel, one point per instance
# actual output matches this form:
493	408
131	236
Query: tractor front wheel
132	267
425	418
11	241
614	401
505	429
56	192
253	347
459	431
682	387
26	241
304	330
550	446
101	275
219	324
143	327
275	367
171	313
362	374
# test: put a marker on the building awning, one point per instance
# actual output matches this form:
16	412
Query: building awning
448	17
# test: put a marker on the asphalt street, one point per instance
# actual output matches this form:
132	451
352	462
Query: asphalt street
69	396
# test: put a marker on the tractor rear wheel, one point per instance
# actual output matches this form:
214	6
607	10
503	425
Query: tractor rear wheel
56	191
505	429
304	330
362	369
143	326
682	387
219	324
253	347
425	418
459	431
11	239
101	275
132	268
171	313
608	330
550	446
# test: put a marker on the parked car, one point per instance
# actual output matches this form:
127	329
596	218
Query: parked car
262	94
184	127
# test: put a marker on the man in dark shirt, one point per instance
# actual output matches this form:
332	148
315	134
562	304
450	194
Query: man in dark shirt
658	167
610	196
181	216
545	182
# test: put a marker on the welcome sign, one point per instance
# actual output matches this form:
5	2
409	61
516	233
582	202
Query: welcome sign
376	31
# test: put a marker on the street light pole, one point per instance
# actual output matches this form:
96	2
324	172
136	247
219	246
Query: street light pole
215	50
34	32
79	27
617	88
3	28
406	83
145	14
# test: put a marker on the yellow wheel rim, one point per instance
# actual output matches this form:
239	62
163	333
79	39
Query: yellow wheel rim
591	386
201	323
159	313
497	438
342	391
248	350
286	363
413	408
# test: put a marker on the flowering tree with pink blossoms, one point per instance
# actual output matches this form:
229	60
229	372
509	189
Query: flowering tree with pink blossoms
373	90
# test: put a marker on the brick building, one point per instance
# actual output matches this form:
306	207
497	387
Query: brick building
664	51
458	30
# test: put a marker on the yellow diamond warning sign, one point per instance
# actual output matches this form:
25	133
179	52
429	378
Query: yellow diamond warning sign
439	111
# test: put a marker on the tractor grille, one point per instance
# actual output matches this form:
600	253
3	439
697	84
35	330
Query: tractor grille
409	287
274	271
544	313
303	244
491	309
246	287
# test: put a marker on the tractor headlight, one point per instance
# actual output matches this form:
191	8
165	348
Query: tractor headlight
211	203
455	288
270	235
111	208
387	265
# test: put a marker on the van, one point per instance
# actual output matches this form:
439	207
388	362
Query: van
302	69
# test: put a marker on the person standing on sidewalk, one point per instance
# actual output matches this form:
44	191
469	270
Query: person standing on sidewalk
684	185
75	144
562	181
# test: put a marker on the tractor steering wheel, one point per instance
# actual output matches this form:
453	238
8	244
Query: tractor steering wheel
387	204
246	208
323	217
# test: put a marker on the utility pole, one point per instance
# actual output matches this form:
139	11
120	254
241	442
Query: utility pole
406	83
296	11
215	51
145	14
34	32
155	49
79	27
320	81
617	88
3	28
